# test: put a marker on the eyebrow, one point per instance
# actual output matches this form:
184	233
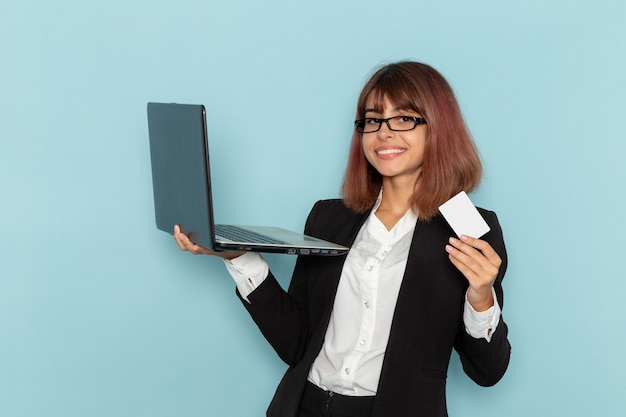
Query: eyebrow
396	109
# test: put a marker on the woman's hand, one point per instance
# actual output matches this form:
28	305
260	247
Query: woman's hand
185	244
480	264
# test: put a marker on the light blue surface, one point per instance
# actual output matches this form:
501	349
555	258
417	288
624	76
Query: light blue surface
101	315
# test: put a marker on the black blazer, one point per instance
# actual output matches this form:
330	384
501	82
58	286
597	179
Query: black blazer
427	322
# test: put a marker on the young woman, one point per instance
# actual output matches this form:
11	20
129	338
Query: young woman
371	333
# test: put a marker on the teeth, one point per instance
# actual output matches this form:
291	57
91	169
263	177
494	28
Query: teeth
390	151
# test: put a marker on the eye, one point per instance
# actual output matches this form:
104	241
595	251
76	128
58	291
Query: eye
371	121
404	122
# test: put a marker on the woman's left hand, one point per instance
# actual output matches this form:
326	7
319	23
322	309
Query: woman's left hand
480	264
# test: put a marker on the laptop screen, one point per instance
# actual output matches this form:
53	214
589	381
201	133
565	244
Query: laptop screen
180	170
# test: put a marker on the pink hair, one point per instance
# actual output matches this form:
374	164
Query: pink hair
451	160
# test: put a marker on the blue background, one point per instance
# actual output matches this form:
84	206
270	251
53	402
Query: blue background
102	315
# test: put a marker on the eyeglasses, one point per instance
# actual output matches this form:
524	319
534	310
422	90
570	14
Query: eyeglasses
398	123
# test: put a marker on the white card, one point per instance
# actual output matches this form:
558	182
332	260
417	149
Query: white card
463	217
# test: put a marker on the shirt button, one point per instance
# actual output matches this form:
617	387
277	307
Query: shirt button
369	268
362	342
367	304
347	371
384	253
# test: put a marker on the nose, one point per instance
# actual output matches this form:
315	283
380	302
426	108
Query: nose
384	132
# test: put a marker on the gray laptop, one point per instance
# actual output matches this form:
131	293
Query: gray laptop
181	180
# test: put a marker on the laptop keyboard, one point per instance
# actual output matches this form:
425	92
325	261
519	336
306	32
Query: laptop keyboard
238	234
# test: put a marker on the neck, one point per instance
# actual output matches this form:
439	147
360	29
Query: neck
396	201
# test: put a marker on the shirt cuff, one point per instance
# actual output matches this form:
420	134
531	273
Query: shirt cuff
482	324
248	271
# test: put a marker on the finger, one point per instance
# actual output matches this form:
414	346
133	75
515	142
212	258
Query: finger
180	238
177	237
479	250
474	265
484	247
470	268
185	244
199	250
193	248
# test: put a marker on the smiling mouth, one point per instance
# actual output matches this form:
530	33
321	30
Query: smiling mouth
389	151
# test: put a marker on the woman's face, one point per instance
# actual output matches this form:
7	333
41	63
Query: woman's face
396	155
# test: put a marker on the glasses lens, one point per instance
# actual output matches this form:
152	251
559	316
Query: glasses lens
402	123
367	125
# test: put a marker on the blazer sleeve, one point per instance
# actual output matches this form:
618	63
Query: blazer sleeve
283	316
486	362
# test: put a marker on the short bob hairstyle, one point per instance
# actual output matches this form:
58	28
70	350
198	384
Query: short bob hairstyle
451	160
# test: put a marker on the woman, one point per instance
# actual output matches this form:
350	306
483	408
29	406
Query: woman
371	333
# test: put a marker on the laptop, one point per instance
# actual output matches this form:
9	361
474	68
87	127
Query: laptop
181	181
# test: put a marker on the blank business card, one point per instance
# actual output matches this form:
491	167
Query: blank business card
463	216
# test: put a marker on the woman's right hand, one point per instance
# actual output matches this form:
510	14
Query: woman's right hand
187	245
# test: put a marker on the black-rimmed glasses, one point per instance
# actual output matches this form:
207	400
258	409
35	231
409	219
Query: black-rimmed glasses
398	123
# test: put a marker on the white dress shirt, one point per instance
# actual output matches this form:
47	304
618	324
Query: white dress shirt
351	358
